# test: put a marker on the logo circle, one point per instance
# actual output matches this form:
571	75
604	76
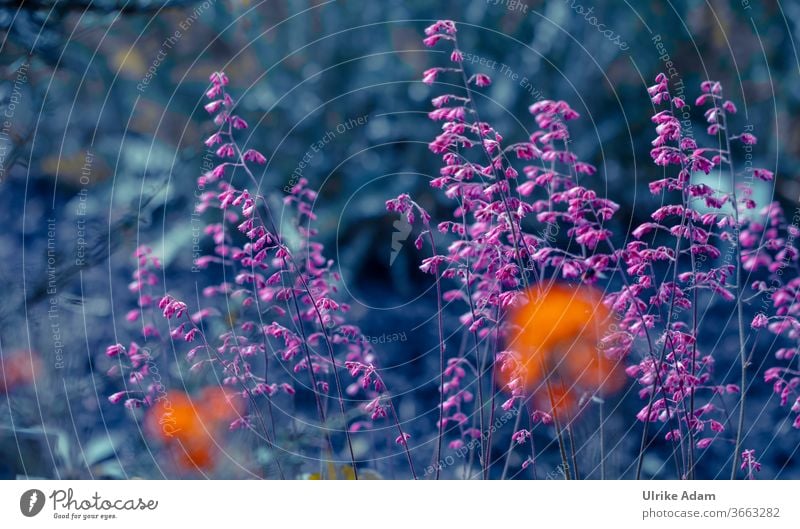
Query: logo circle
31	502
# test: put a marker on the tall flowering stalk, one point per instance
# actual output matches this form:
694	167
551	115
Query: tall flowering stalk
705	221
494	256
769	247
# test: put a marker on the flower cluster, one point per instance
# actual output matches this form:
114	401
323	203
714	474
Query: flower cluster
769	248
278	299
516	231
493	255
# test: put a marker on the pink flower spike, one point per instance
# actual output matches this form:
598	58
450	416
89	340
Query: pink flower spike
521	436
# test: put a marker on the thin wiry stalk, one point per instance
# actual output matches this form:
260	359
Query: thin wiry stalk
692	368
492	404
568	427
479	364
533	445
440	322
507	463
399	427
557	424
737	293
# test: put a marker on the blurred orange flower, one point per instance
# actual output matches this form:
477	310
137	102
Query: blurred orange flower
191	427
552	347
18	368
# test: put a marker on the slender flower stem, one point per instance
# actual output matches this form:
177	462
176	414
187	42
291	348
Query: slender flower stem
440	322
692	368
559	437
399	427
532	425
738	295
492	404
517	422
479	363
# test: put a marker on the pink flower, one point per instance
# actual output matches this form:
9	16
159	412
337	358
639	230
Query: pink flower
540	416
219	78
432	40
749	463
251	155
116	398
238	123
114	350
481	80
763	174
521	436
748	139
133	403
225	151
429	75
213	106
760	321
705	443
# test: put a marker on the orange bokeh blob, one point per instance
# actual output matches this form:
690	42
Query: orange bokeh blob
219	404
18	368
553	343
191	427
